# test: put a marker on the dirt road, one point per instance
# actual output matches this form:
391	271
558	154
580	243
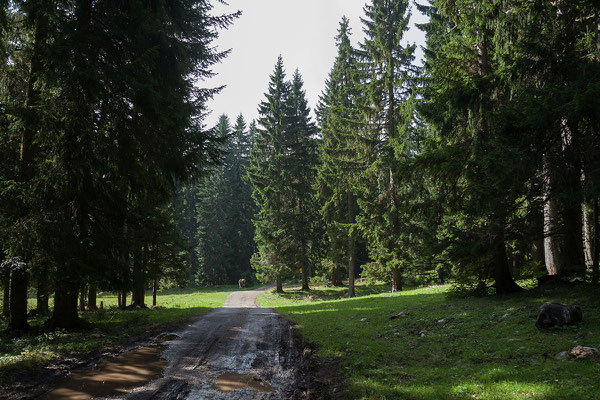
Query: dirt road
236	352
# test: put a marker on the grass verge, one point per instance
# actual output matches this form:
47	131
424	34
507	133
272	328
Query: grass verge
106	327
447	348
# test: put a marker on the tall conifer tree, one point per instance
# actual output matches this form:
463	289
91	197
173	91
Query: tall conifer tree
387	65
338	181
266	174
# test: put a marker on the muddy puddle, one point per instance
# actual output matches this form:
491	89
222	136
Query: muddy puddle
230	381
113	377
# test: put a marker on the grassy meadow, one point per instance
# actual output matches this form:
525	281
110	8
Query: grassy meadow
105	327
444	347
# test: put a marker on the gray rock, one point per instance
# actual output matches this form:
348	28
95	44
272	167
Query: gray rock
585	353
563	355
552	314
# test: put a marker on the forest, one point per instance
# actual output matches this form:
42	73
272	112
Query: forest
478	167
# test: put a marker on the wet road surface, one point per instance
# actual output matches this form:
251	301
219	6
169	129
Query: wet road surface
236	352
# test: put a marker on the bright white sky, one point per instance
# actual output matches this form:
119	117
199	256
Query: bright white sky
302	31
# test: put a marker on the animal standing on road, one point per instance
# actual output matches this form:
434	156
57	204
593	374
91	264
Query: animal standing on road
242	283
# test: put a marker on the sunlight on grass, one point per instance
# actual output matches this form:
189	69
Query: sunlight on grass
447	348
108	326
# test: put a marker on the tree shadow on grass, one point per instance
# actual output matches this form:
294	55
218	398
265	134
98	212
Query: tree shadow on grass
483	348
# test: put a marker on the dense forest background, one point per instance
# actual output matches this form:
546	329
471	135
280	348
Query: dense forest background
480	166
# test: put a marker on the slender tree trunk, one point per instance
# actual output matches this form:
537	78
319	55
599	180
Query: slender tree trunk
82	297
154	291
138	278
6	295
42	291
351	245
396	280
124	298
279	283
305	277
503	281
92	297
304	255
119	301
587	236
596	244
552	256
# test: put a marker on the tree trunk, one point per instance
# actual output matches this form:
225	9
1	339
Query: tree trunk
304	251
65	309
551	238
92	296
503	281
279	283
587	236
19	281
596	244
42	291
18	300
351	244
82	297
396	280
123	298
336	276
305	278
138	292
6	296
574	254
537	251
119	301
154	290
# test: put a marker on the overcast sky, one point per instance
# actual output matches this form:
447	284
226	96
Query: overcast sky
302	31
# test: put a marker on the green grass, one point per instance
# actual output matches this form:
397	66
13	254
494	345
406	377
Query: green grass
107	327
447	348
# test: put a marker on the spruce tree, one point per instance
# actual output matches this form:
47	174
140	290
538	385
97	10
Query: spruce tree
389	73
266	174
299	174
337	181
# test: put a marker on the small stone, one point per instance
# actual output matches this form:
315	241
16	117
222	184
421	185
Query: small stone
563	355
505	316
441	321
363	320
400	314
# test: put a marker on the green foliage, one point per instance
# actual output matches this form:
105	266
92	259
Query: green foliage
222	212
281	172
338	177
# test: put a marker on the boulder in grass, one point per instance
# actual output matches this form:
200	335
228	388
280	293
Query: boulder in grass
556	314
585	353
